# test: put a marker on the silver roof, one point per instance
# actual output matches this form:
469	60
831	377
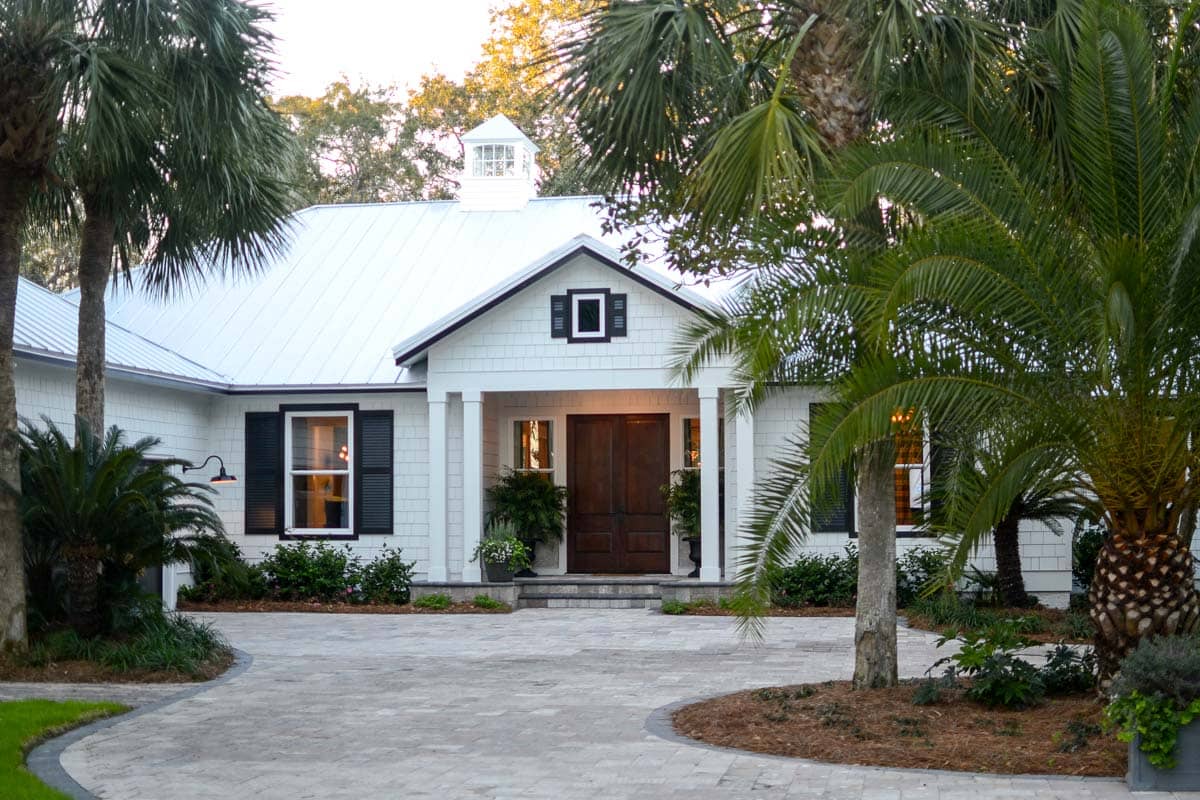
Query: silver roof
46	327
355	281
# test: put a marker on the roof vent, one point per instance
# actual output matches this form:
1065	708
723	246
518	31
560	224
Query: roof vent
500	174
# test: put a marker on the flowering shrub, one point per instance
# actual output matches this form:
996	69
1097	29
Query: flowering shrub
501	546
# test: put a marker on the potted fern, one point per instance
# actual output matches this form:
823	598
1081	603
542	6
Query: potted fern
1155	706
533	505
683	504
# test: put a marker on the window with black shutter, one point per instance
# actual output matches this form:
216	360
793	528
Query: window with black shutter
589	315
374	495
263	478
836	512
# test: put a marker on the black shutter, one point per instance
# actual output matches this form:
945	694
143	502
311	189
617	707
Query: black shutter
837	513
617	314
373	474
560	316
264	473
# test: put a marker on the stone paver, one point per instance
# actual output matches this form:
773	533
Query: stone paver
540	704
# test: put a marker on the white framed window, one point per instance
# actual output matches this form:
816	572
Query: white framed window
533	446
496	161
589	316
691	442
912	458
319	464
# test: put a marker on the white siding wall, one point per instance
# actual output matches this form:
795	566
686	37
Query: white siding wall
515	338
411	467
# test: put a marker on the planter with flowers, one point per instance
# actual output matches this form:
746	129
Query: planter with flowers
1155	706
683	504
501	552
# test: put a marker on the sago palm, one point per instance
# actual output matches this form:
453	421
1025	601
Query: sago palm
1064	273
92	500
713	117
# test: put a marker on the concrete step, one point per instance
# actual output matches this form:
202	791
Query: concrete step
561	589
596	601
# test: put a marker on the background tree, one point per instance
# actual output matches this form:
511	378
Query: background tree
361	146
712	117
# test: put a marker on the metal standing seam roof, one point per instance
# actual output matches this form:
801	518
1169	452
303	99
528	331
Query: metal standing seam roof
355	281
46	326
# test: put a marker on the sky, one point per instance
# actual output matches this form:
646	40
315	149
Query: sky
379	41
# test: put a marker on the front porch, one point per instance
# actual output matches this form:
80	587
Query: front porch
612	449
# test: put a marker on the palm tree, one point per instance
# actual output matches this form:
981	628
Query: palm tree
1063	272
715	116
147	117
93	500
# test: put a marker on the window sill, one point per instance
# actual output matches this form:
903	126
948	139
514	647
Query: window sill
336	535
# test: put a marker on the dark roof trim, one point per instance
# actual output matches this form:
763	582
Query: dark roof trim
534	278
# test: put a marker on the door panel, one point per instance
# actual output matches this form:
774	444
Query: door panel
617	518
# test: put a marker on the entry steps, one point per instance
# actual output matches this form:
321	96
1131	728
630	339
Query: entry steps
591	591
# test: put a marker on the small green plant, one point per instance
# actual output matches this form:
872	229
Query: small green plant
674	607
1157	692
918	570
485	602
1068	671
502	546
929	691
999	676
434	602
683	502
1077	735
1086	542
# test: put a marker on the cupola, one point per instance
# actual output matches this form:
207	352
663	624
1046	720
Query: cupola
500	173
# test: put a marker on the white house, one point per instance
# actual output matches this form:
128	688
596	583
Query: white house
372	382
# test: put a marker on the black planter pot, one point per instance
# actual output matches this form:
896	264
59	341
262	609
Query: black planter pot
497	573
694	555
527	572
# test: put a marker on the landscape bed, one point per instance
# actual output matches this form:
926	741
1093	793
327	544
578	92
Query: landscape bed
882	727
295	606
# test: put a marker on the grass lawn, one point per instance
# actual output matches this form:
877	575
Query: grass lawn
23	723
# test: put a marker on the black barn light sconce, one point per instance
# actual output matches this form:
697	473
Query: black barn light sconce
220	477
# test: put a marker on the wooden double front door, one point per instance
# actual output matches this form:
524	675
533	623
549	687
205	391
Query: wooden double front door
616	515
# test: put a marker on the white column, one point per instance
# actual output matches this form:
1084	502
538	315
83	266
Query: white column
437	488
744	433
472	482
710	489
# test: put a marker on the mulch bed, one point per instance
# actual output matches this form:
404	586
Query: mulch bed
773	611
333	608
881	727
1052	617
90	672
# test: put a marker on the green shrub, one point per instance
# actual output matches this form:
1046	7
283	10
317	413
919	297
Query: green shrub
1068	671
918	570
156	642
683	501
999	677
311	571
387	578
437	602
1157	692
674	607
814	579
532	503
483	601
947	610
220	573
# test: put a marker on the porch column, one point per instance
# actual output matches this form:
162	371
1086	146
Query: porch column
710	489
744	435
437	488
472	482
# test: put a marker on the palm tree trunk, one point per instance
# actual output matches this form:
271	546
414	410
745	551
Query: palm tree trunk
1006	538
14	197
83	586
875	616
1144	585
95	265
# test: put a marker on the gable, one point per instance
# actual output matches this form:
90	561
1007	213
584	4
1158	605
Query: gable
514	333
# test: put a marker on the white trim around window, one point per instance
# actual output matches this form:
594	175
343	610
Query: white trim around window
330	487
601	301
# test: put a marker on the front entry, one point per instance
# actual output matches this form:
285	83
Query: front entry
616	515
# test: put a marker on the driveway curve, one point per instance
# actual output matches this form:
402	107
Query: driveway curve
538	704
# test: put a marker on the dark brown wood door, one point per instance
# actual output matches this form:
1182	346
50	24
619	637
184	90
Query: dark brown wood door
616	515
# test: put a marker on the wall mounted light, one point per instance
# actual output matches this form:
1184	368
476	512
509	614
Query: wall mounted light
220	477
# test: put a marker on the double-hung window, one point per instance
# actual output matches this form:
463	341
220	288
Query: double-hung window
910	477
319	485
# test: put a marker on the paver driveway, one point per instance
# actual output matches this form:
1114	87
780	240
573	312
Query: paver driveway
539	704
